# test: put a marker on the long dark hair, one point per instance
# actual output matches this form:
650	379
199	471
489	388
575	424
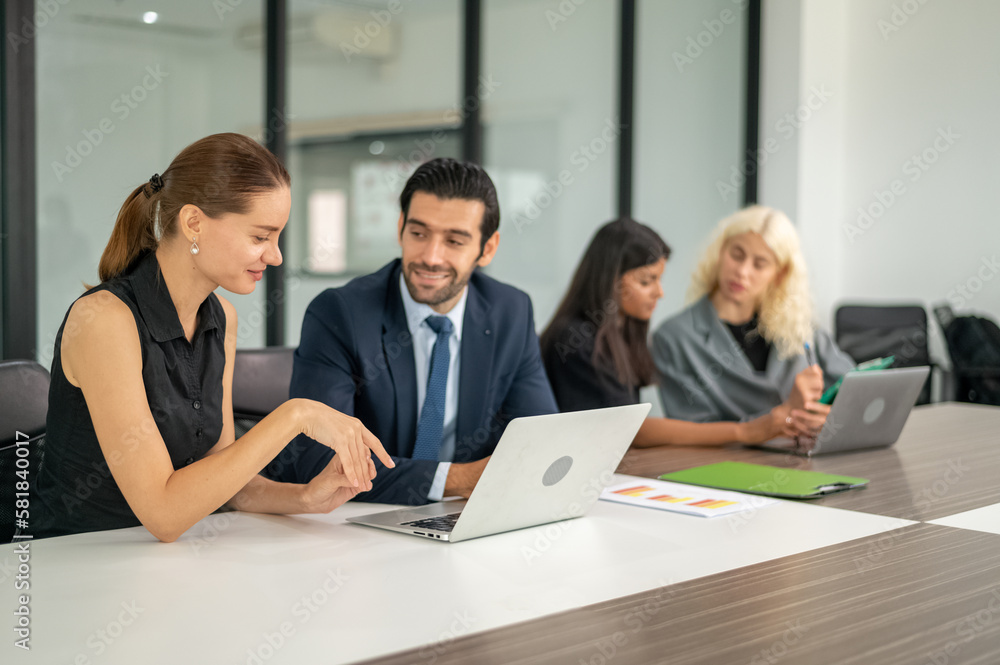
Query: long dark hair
594	296
220	174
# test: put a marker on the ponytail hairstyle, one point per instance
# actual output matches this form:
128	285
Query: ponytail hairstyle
220	174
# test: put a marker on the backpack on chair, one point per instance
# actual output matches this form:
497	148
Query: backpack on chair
974	345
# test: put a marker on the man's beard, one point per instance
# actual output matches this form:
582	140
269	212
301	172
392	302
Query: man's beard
443	294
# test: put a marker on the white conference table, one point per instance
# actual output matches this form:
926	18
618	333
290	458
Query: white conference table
245	588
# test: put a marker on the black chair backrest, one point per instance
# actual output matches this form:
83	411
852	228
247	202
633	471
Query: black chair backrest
866	331
24	401
260	384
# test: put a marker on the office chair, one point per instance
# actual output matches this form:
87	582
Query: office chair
865	332
24	402
260	384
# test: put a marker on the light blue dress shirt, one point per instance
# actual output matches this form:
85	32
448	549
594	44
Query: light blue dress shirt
423	343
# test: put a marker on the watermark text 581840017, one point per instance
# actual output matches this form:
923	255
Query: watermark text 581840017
22	540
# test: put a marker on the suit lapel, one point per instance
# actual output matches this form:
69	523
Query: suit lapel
397	347
476	372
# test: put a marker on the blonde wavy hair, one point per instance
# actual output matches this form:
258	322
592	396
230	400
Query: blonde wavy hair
785	311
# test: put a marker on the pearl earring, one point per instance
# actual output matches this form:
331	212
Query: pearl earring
194	245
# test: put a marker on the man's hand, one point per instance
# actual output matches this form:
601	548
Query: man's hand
462	478
331	487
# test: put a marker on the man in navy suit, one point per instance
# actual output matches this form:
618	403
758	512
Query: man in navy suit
431	355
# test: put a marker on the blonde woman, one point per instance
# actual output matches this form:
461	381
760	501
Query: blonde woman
735	352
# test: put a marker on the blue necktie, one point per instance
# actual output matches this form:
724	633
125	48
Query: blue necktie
432	414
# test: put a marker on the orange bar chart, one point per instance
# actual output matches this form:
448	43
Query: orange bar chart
638	490
670	499
711	503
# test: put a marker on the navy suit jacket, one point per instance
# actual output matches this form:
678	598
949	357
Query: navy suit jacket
356	355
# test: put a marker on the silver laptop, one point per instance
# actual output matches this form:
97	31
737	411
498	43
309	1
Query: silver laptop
544	469
869	412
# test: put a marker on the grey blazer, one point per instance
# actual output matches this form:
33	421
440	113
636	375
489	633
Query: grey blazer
705	376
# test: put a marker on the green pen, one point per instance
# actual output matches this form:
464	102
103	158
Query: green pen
877	363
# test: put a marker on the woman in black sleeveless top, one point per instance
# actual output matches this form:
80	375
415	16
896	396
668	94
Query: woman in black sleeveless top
140	423
595	349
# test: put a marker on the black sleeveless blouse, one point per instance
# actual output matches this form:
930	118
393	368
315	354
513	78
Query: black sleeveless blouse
75	492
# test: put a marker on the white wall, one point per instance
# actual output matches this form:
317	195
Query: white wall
909	81
927	92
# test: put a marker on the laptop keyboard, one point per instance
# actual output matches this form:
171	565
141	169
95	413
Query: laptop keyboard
442	523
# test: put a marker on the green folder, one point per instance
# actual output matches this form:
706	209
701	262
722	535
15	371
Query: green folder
766	480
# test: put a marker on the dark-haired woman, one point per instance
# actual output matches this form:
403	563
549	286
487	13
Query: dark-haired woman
595	349
140	424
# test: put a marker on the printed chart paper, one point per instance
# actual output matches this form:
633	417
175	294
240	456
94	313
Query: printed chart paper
686	499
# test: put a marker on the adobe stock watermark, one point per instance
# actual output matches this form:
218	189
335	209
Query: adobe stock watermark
45	11
953	474
553	531
786	127
913	169
899	16
581	158
205	532
963	293
425	148
696	44
22	615
364	35
922	502
223	7
460	625
877	549
737	521
252	322
302	610
101	639
122	107
8	568
789	638
563	11
608	646
581	335
967	629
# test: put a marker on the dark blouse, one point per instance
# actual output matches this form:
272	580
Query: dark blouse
577	382
75	491
754	346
